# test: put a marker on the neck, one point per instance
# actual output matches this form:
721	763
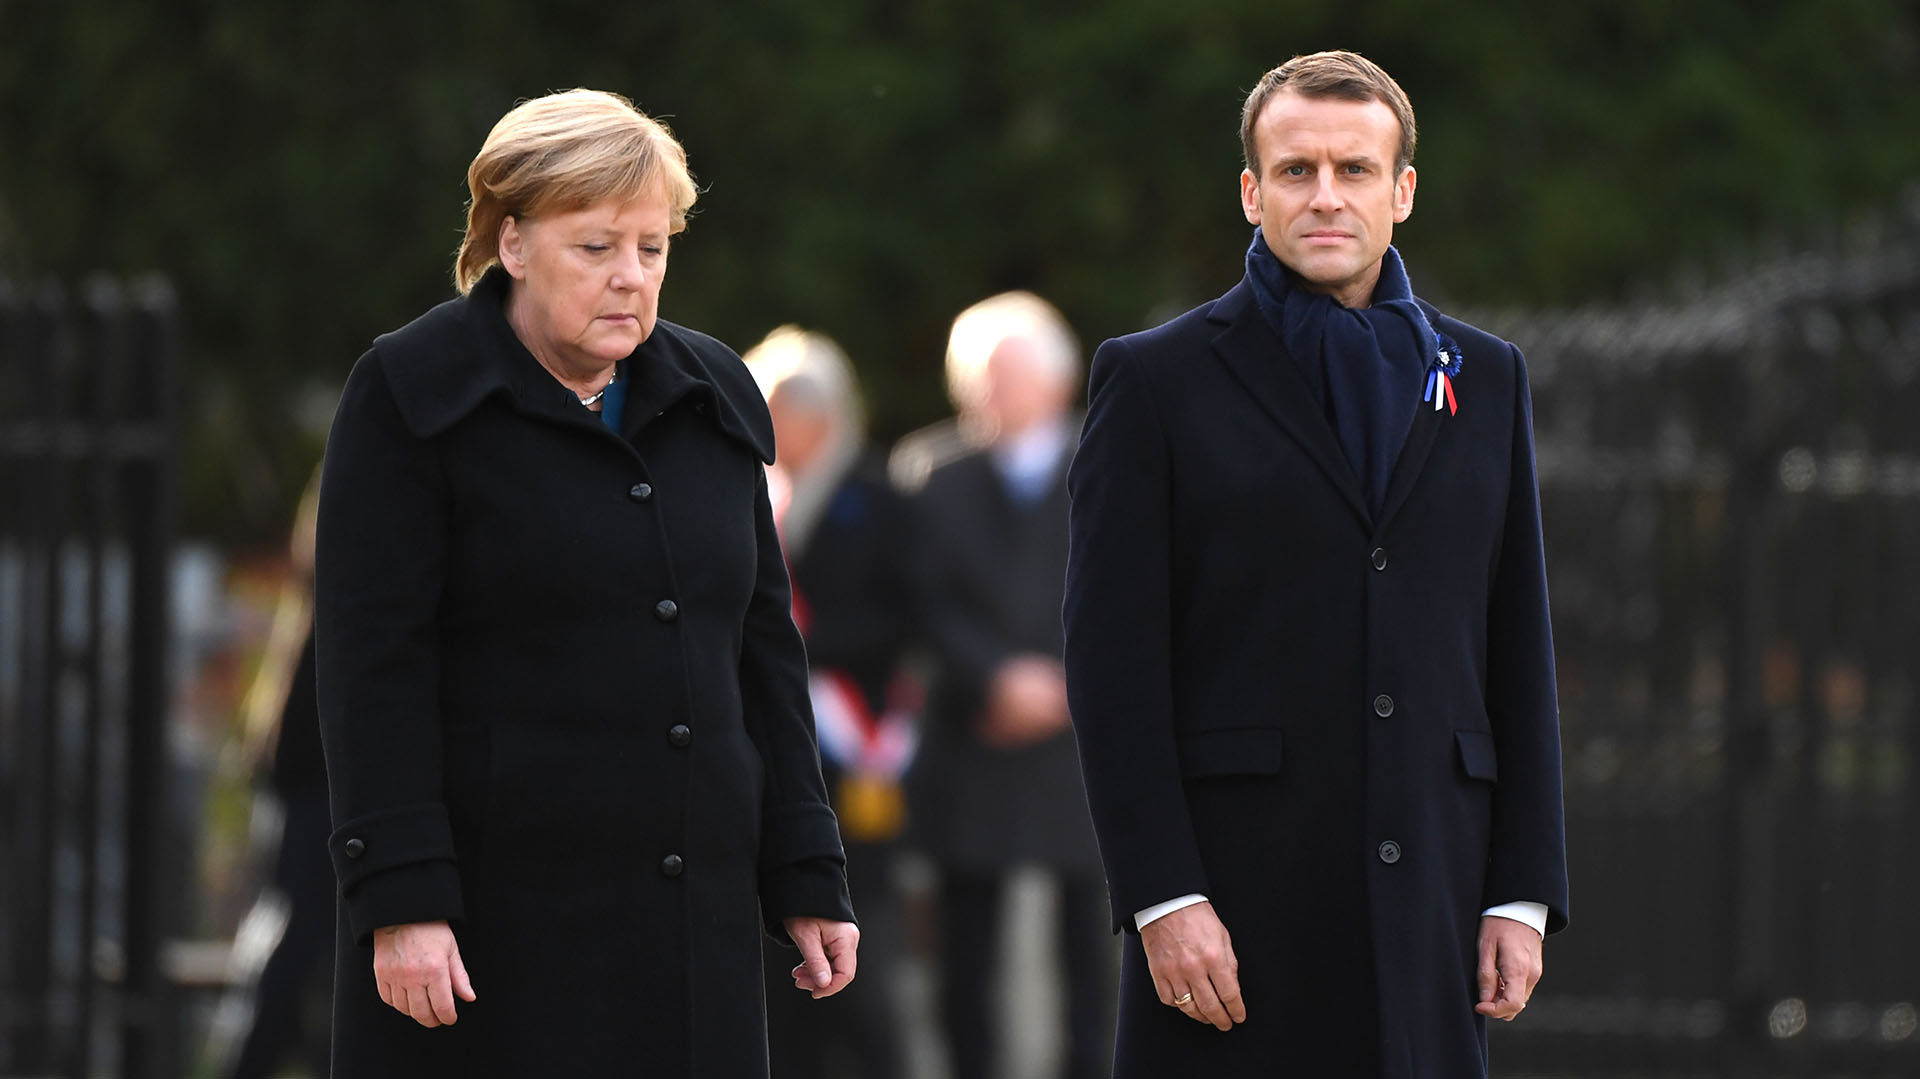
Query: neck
584	380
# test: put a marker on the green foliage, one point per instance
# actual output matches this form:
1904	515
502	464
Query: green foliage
871	166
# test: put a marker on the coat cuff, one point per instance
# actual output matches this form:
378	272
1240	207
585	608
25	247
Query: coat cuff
798	833
422	892
395	867
815	888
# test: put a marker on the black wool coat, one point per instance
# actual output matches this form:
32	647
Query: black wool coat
564	705
988	575
1342	730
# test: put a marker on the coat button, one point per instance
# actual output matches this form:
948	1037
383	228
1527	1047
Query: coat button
1383	706
1379	558
1389	852
666	610
355	848
672	866
641	492
679	734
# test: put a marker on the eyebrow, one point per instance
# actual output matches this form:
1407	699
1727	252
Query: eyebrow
1291	160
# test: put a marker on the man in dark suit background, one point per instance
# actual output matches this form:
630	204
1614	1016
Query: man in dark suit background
997	785
1308	648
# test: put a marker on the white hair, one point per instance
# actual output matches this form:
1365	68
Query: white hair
979	330
808	370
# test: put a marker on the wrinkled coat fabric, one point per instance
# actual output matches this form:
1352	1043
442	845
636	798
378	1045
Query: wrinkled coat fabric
1270	684
564	705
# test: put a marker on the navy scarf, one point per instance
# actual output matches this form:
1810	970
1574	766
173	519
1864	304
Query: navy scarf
1365	366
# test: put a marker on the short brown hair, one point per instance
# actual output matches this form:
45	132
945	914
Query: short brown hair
561	152
1347	76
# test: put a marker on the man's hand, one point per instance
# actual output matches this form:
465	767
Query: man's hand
1194	969
418	970
827	952
1510	967
1026	702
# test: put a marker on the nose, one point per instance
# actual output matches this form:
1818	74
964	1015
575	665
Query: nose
630	273
1326	195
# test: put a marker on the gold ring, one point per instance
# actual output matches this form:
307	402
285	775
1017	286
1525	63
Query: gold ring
1183	1000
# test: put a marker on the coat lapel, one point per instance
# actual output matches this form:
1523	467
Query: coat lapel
1255	355
1412	459
1427	422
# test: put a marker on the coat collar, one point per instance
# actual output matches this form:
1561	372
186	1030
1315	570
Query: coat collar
1259	360
443	365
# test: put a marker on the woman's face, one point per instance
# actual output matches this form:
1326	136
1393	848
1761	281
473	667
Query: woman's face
587	282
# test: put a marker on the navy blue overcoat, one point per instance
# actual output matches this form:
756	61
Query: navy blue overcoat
1341	729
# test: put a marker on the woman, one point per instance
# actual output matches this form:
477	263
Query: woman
843	530
564	703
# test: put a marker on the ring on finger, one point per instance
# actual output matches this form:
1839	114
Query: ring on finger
1183	999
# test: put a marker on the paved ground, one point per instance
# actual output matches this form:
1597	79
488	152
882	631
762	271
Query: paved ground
1032	1008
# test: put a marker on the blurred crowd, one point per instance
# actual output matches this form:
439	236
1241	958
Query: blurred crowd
927	581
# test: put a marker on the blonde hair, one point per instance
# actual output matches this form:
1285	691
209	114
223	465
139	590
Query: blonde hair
979	330
566	151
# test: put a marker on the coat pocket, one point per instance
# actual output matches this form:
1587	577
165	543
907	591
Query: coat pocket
1235	751
1477	756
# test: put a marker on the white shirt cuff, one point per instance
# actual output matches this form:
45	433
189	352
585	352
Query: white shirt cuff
1528	914
1161	910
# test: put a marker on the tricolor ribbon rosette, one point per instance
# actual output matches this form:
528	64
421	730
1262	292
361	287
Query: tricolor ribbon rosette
1446	368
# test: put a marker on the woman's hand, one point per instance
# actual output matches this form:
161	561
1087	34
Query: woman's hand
826	952
418	970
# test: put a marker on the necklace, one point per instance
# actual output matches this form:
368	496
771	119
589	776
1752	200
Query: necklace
590	398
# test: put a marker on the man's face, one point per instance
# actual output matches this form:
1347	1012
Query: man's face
1327	198
1022	389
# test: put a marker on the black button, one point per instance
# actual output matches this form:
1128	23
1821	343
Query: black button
680	734
1389	852
699	408
666	610
1383	706
355	848
1379	557
641	492
672	866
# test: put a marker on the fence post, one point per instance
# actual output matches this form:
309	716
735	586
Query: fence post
149	1048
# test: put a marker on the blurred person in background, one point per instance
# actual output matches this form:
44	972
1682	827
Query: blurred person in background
997	787
284	948
563	699
842	527
1308	644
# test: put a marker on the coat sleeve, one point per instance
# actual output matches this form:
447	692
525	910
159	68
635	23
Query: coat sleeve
380	563
1118	616
1528	861
803	869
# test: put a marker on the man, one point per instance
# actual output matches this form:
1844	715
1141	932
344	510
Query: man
1308	652
997	784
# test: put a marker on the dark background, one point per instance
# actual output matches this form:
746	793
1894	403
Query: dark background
1700	220
872	166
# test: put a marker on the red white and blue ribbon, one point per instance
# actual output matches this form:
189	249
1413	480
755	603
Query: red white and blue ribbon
1446	368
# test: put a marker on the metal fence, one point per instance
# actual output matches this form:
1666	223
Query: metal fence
1731	489
86	385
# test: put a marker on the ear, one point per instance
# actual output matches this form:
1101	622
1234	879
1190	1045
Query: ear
1250	196
513	247
1403	194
